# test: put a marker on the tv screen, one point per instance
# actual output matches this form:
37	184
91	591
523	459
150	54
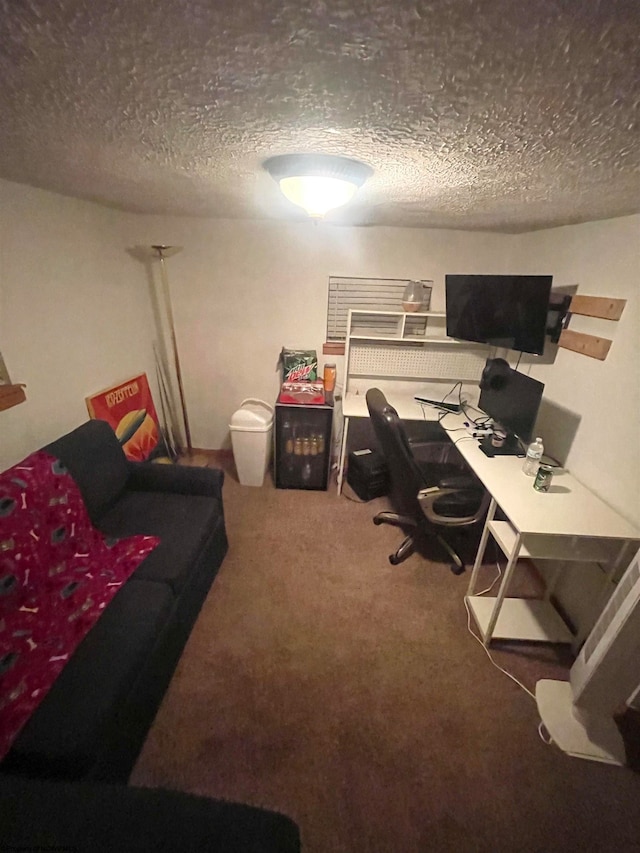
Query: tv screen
501	310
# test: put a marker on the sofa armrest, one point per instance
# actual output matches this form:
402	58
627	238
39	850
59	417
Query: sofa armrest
47	815
179	479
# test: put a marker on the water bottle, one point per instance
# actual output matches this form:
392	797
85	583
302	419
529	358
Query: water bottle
533	457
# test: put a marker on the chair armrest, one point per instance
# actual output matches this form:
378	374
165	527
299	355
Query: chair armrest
179	479
460	483
428	497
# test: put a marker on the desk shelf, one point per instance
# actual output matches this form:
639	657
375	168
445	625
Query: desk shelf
407	339
576	527
541	547
395	326
408	346
520	619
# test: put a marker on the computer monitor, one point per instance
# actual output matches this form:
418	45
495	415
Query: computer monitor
512	400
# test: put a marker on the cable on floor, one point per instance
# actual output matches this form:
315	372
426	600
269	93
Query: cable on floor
548	739
476	637
488	654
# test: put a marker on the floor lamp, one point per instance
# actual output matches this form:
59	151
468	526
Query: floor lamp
162	253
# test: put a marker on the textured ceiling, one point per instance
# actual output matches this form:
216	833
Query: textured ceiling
477	114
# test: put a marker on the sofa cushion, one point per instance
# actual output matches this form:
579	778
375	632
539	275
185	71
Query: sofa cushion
68	731
184	523
94	458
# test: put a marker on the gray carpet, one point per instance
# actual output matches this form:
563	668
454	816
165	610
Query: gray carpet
325	683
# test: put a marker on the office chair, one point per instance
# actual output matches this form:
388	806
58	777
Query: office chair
426	495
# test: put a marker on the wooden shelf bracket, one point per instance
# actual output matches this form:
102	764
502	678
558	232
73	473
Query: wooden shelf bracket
11	395
604	308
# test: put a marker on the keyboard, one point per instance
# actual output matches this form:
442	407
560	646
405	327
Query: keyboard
450	407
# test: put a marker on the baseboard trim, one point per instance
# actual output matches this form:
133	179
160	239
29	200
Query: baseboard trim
201	456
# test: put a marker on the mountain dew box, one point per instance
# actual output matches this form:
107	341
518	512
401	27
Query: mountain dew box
299	365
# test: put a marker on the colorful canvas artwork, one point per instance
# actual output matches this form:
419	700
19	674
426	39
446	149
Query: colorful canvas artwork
130	411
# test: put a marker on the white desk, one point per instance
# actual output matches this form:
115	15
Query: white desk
355	406
410	348
568	523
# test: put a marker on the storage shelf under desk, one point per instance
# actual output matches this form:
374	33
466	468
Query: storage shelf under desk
520	619
541	547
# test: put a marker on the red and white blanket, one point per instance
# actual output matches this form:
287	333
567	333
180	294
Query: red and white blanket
57	575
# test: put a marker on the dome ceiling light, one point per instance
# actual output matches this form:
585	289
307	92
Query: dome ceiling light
317	182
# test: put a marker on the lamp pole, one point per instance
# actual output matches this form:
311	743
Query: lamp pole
162	252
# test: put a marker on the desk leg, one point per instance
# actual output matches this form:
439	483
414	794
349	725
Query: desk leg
343	450
508	572
551	585
481	548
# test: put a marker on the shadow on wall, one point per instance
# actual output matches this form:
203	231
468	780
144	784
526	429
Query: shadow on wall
558	427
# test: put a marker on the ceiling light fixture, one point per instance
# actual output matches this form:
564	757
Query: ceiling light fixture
317	182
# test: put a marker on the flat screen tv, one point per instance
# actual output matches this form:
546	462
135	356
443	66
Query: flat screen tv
501	310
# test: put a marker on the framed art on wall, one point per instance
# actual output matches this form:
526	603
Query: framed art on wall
129	409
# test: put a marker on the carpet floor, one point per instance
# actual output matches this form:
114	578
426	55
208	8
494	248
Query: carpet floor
323	682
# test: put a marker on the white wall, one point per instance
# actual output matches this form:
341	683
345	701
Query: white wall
75	311
603	396
243	290
76	315
602	258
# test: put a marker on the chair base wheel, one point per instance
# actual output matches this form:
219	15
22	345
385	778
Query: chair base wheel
395	561
457	570
377	520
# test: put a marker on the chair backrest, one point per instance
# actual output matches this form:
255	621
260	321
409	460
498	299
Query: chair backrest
406	477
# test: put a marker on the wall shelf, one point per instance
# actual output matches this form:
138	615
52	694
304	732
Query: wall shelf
395	325
410	346
410	339
603	307
11	395
585	344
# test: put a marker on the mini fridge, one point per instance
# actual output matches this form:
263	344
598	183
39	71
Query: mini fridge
302	456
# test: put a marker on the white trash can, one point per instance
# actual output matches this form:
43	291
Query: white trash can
251	430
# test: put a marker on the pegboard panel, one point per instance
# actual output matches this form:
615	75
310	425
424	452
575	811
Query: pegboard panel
433	361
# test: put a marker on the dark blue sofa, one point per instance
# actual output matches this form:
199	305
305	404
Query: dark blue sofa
92	723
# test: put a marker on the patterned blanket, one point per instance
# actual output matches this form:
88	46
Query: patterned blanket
57	574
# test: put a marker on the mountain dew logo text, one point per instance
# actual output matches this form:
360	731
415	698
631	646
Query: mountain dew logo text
300	364
301	371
